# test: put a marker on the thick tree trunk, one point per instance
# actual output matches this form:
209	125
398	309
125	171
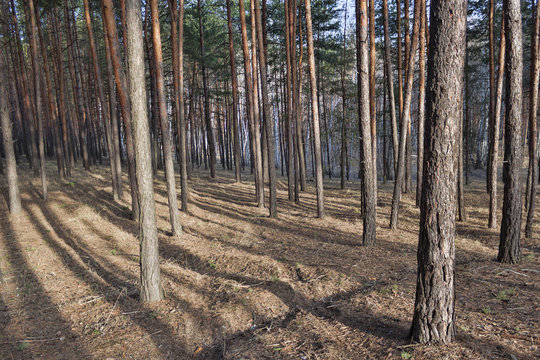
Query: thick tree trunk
509	247
366	155
533	105
164	121
433	320
7	137
315	112
151	289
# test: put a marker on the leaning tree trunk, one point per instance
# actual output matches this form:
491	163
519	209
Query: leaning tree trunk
509	247
315	112
533	105
7	137
433	320
366	155
164	121
494	134
151	289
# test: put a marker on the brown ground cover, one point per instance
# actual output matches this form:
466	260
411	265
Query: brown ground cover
242	286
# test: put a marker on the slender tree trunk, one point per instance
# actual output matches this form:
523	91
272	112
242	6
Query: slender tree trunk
103	103
181	127
421	105
266	110
343	153
31	17
405	119
510	247
533	105
366	155
372	93
165	132
390	83
61	86
208	121
492	95
51	107
299	130
151	289
434	316
114	119
7	137
315	112
234	80
289	46
251	99
121	89
494	133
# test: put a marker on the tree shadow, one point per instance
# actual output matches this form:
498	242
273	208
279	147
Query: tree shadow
35	300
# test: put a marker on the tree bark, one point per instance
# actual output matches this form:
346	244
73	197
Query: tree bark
533	105
121	89
434	317
405	119
390	84
251	99
510	247
208	121
267	117
494	134
366	155
372	93
421	105
104	106
151	289
31	17
164	121
7	137
234	80
315	112
181	128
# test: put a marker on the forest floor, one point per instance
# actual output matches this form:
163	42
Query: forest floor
240	285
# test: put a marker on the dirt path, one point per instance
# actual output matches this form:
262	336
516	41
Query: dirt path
243	286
